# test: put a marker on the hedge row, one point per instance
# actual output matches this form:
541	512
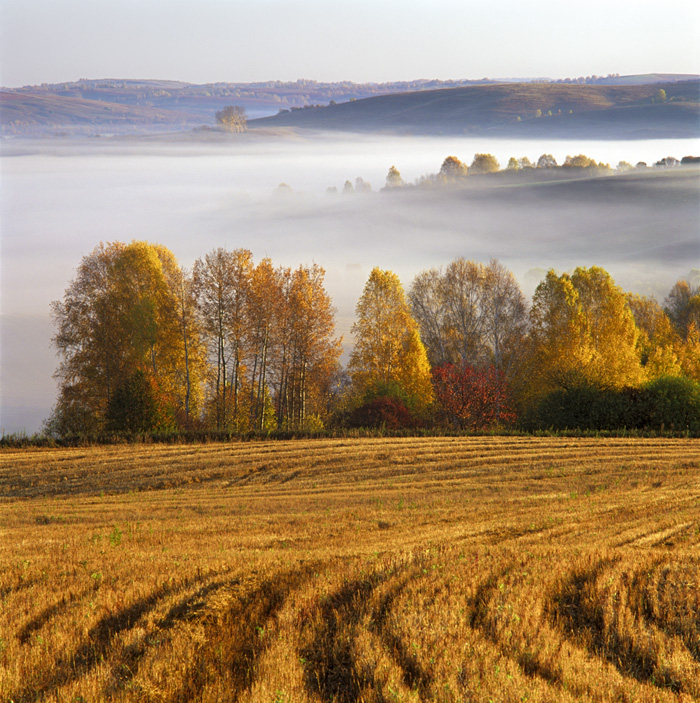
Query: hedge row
666	404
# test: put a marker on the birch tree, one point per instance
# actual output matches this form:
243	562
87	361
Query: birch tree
222	282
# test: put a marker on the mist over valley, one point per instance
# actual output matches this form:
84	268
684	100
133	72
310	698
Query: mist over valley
61	198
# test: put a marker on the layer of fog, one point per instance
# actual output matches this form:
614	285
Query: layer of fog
60	199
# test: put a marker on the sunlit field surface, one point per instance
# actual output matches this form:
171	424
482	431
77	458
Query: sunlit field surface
449	569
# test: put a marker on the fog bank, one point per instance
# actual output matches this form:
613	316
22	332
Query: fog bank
60	199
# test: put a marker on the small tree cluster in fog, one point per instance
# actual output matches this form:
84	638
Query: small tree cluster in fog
232	118
453	171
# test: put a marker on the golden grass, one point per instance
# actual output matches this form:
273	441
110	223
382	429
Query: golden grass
445	569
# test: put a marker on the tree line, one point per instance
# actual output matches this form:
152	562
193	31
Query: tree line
236	346
455	172
230	346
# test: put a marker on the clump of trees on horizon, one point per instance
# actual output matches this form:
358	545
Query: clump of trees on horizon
234	346
232	118
454	172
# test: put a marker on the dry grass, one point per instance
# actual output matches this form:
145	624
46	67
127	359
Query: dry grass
451	569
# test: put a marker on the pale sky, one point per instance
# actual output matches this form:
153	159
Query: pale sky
204	41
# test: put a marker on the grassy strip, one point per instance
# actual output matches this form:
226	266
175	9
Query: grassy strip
18	440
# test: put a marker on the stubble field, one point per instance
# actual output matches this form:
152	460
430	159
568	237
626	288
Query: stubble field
441	569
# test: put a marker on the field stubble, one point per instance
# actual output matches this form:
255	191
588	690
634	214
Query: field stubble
446	569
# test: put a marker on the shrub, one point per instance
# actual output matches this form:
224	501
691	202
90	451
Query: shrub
388	412
668	403
587	407
671	403
468	397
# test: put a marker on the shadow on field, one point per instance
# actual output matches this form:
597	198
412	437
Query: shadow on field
36	623
98	645
332	669
185	610
579	610
236	638
481	620
665	605
414	676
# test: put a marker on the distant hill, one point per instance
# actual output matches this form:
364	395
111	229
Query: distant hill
25	112
518	110
127	106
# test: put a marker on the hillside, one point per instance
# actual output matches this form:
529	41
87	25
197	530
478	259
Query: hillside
517	110
27	112
418	569
427	106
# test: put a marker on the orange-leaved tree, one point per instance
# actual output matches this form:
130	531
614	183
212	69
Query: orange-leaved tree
307	353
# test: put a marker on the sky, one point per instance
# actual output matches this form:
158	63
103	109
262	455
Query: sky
206	41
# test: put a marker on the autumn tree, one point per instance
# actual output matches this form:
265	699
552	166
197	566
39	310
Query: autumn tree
192	371
264	303
682	305
452	170
117	317
484	163
546	161
658	344
233	118
307	358
469	313
387	344
579	161
472	398
581	332
393	178
689	354
222	286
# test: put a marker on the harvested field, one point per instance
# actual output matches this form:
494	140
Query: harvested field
442	569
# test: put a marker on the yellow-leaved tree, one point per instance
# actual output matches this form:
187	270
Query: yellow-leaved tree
582	331
131	354
659	345
387	346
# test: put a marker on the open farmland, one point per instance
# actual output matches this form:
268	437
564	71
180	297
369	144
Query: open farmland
446	569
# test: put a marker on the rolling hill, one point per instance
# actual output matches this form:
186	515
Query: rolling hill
597	107
57	109
518	110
